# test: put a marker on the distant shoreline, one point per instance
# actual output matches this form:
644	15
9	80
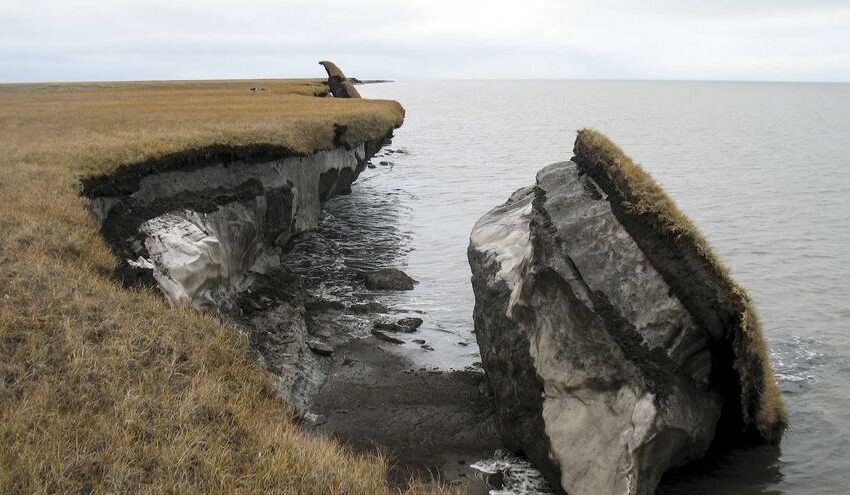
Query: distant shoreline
356	81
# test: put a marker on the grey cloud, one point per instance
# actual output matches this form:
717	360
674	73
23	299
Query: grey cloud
780	39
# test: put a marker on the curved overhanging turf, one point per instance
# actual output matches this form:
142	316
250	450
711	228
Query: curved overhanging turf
700	280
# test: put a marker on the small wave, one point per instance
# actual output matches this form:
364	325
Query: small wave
508	474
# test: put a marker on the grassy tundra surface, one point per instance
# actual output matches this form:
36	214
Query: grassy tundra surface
106	389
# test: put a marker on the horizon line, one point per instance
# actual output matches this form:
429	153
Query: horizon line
440	79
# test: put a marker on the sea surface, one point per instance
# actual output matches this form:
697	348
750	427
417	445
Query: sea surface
763	169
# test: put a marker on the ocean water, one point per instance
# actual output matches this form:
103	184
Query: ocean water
762	168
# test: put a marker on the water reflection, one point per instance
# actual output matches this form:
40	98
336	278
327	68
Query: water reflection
743	471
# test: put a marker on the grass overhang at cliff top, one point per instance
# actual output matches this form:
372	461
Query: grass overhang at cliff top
106	125
637	196
108	389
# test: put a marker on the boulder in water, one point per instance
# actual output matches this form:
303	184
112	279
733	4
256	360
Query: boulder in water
616	344
388	279
405	325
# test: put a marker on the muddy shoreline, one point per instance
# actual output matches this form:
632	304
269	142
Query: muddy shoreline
293	281
431	423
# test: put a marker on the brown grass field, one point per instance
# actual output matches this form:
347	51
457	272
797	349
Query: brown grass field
105	389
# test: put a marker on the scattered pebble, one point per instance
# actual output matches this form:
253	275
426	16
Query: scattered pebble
427	347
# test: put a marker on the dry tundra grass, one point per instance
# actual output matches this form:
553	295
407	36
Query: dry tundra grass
104	389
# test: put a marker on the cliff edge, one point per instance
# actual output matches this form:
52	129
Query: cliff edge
107	387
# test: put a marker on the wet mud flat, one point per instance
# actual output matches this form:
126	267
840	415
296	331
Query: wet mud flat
431	423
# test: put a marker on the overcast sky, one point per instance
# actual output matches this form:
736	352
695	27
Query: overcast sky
65	40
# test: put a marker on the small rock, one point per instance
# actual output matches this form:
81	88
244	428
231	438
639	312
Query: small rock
386	338
369	307
419	341
384	325
427	347
384	163
462	344
389	278
477	364
323	305
320	348
405	325
491	478
371	165
409	325
315	419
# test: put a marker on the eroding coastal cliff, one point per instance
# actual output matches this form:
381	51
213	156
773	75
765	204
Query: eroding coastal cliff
209	227
616	345
106	386
200	231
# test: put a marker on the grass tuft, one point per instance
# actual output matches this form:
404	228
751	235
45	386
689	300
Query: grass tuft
684	252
